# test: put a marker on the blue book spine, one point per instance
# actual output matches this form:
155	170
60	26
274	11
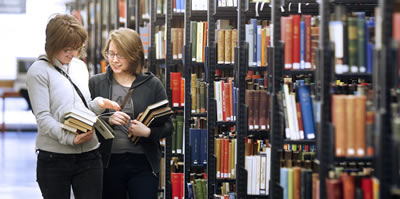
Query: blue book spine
284	182
254	22
203	146
302	45
259	45
195	139
369	28
190	190
183	6
370	57
306	110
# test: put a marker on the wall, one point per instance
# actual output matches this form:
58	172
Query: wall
23	35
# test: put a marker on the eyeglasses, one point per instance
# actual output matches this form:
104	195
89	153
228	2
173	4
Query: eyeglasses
111	55
70	50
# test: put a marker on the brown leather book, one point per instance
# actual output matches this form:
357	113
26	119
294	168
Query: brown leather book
220	46
351	124
348	186
333	189
339	121
228	46
263	114
234	44
360	125
174	37
296	182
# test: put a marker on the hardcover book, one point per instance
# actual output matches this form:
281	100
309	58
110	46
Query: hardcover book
154	113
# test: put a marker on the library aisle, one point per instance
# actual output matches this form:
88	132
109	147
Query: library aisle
18	166
17	152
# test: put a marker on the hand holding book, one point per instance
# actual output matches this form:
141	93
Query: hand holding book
153	114
137	128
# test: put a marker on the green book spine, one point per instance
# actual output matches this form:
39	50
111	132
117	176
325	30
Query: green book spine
352	34
179	136
290	183
199	189
194	39
204	188
174	135
361	42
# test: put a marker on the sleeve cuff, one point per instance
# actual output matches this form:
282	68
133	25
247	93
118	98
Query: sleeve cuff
95	107
70	139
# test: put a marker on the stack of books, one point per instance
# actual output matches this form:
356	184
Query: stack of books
153	114
80	121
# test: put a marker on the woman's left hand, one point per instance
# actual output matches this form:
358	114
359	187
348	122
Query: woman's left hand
108	104
139	129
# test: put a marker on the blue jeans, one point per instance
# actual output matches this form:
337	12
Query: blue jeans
129	175
57	173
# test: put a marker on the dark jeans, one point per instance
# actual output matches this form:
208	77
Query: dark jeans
57	173
129	174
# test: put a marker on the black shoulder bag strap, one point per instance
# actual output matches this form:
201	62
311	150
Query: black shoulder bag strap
67	76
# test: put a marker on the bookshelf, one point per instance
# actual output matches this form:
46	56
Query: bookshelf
103	16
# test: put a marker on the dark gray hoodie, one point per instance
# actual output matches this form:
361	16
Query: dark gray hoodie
148	90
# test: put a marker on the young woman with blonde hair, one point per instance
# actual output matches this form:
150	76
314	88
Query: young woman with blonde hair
133	168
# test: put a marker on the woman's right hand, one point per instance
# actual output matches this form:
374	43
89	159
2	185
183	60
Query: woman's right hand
119	118
83	137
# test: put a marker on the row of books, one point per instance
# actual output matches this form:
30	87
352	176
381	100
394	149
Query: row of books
177	185
198	147
351	121
227	3
300	36
258	36
197	189
198	89
227	191
299	183
177	42
256	99
159	38
177	136
341	184
226	96
226	43
299	158
177	84
353	37
299	147
258	172
298	110
225	152
198	39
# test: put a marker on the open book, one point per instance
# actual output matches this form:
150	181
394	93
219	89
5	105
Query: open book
153	114
82	120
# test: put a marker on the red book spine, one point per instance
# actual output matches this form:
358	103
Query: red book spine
175	185
307	22
175	81
182	92
288	57
366	186
296	42
223	101
226	157
227	106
